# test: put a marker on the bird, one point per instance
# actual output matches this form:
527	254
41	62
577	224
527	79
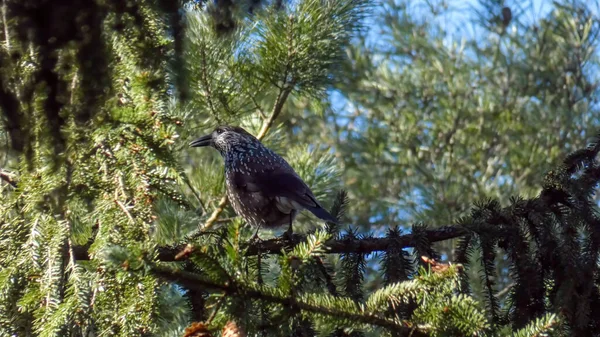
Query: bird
262	187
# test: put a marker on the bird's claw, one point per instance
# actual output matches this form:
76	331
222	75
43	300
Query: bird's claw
254	239
288	235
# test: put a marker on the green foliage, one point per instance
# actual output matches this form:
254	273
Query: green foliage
440	105
442	310
448	313
301	48
539	327
546	241
353	270
90	139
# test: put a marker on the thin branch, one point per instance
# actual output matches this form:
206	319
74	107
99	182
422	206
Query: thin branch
9	178
206	83
277	107
186	180
258	108
275	246
73	86
328	279
215	214
216	309
193	281
226	220
505	290
124	209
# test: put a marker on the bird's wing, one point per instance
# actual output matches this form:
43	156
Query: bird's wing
280	181
289	185
272	183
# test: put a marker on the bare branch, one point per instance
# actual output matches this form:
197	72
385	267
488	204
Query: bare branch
8	177
361	246
186	180
275	246
215	214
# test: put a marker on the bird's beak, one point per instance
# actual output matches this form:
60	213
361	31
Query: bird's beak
202	141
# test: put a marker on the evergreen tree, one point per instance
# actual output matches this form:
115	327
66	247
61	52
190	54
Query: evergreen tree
443	103
110	225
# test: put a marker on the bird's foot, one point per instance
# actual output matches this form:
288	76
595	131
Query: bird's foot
288	235
254	239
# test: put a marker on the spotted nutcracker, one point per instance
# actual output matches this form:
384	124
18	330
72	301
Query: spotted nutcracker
261	186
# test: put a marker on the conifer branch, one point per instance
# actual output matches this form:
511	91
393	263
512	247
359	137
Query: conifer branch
275	246
361	246
193	281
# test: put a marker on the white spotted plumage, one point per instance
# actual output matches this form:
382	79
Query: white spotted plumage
262	187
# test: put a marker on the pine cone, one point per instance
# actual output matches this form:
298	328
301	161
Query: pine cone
197	329
232	330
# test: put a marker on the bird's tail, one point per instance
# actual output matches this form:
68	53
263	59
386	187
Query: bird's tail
322	214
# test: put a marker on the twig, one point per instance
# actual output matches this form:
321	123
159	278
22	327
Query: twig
73	85
258	108
204	78
277	107
215	310
5	22
225	220
505	290
8	177
125	210
189	185
215	214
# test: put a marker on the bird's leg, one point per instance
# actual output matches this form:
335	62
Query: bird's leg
290	231
255	237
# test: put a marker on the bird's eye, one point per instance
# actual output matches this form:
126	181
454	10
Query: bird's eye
219	131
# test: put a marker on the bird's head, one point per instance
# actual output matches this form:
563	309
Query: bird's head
225	138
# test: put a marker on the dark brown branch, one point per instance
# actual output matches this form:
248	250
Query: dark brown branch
193	281
9	178
196	299
274	246
362	246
